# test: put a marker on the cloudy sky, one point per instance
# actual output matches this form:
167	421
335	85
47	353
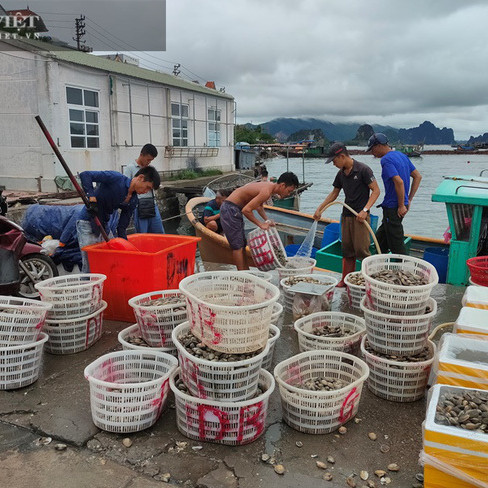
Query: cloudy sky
393	62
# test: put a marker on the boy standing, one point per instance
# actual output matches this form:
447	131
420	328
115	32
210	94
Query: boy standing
243	202
361	191
147	218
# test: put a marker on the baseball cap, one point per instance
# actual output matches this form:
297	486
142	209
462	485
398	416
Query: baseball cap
334	151
378	138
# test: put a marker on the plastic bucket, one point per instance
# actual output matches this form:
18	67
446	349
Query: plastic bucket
292	249
331	233
438	257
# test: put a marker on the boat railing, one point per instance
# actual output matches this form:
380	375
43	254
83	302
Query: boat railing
482	171
469	186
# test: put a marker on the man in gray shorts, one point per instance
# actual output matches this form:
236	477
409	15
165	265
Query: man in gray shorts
242	202
361	191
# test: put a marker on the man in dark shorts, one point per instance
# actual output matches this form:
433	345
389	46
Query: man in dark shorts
242	202
396	171
211	213
361	191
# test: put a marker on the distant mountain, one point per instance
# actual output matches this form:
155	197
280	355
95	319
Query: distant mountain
427	132
483	138
363	133
316	134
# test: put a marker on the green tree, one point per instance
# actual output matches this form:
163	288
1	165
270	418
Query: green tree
252	135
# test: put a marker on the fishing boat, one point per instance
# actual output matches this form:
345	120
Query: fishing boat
292	226
411	150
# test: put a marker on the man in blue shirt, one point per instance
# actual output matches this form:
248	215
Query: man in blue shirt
396	171
147	218
114	191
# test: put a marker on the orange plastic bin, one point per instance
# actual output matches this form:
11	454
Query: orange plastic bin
161	262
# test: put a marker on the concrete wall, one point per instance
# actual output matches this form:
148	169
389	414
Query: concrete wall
131	113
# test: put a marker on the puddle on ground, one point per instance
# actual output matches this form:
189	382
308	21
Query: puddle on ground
273	436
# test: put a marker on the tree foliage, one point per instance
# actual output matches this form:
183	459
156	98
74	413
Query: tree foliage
252	135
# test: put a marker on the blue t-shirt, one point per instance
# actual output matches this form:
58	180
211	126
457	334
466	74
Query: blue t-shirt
393	164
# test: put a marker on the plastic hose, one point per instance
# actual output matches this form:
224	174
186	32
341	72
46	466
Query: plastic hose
438	328
356	214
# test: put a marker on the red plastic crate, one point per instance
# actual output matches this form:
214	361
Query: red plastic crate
478	268
162	261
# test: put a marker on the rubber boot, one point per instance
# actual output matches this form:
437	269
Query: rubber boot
348	266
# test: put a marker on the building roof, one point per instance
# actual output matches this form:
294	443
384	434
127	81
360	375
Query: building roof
92	61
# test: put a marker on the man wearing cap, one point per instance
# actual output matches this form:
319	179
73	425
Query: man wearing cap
396	171
361	191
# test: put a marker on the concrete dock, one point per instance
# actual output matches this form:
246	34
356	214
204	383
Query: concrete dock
57	406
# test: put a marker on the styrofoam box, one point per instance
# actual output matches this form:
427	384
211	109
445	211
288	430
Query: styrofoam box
465	450
463	361
472	321
476	297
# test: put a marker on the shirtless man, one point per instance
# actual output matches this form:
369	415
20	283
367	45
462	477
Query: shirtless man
244	201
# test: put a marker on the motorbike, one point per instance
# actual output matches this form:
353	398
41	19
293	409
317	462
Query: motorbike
28	257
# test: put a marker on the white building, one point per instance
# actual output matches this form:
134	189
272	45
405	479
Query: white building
100	113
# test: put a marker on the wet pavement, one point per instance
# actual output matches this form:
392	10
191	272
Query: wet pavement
58	406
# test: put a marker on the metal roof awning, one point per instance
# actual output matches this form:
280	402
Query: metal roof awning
463	189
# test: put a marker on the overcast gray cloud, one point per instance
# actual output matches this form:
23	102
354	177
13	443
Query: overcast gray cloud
394	62
390	62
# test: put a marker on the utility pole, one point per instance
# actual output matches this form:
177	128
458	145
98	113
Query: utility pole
80	32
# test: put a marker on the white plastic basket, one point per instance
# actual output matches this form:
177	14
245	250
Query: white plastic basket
129	389
277	311
472	283
350	343
21	320
228	311
398	335
320	412
264	246
397	299
156	322
218	380
70	336
260	274
20	365
296	266
355	293
395	380
134	331
268	359
325	279
233	423
72	296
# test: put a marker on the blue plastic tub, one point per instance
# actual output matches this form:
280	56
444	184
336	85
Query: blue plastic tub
331	233
292	249
439	258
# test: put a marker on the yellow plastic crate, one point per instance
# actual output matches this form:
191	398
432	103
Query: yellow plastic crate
453	447
463	361
472	321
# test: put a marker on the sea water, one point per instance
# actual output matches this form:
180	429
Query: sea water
425	218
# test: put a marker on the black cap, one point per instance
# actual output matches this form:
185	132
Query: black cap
334	151
377	138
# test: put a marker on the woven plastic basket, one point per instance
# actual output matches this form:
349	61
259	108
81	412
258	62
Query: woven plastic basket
322	277
234	424
398	335
218	380
20	365
352	325
259	274
478	268
320	412
395	380
72	295
274	334
296	266
266	248
156	322
277	311
70	336
355	293
397	299
228	311
134	331
21	320
129	389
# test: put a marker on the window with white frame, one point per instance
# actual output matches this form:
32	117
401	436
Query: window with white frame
213	127
83	107
179	123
